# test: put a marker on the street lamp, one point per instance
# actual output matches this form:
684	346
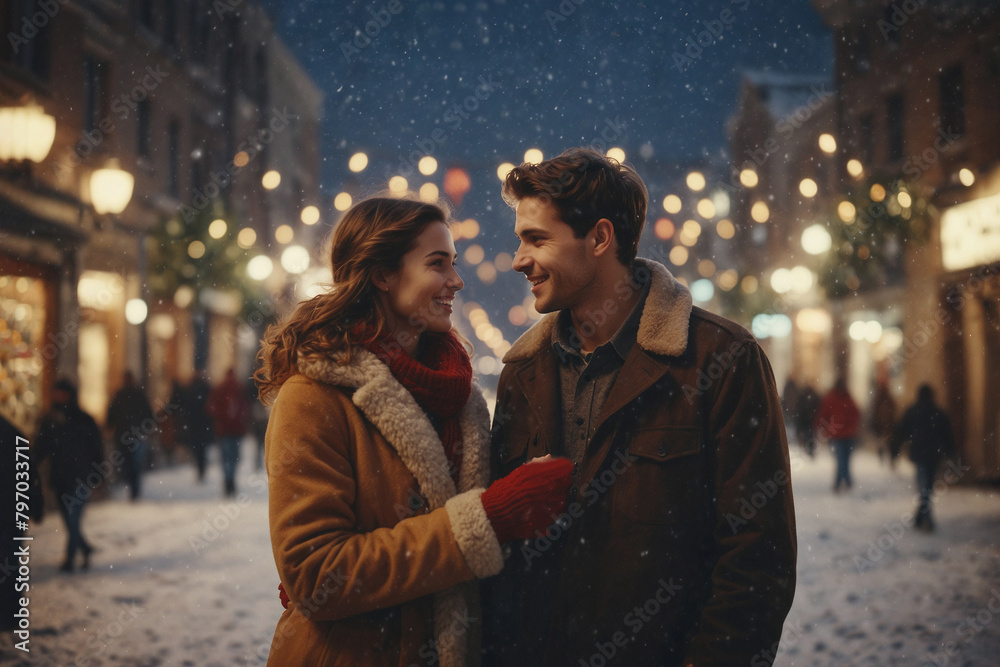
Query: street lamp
26	133
111	188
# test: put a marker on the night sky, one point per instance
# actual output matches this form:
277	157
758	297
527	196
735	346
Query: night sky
555	72
495	77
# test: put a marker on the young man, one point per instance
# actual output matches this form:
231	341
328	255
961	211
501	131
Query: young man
678	545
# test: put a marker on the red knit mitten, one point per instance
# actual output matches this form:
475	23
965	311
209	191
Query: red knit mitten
282	595
525	501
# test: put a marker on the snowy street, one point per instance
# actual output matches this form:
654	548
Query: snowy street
185	577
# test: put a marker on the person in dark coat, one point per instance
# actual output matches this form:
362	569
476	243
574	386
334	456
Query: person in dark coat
927	429
71	439
131	418
227	404
678	545
193	423
883	421
805	415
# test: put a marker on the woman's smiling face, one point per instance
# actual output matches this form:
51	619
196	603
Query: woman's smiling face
419	295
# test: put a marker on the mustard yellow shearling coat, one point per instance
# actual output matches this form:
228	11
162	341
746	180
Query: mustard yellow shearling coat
377	548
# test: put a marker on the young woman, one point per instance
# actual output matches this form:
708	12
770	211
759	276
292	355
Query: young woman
377	456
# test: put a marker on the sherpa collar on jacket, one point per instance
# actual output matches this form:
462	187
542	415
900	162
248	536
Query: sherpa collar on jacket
663	328
395	413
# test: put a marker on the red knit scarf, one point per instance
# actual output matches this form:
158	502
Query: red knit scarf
440	381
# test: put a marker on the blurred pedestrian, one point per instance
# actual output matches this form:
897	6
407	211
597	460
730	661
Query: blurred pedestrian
71	439
131	419
805	416
193	423
883	422
227	405
790	404
838	421
259	414
927	429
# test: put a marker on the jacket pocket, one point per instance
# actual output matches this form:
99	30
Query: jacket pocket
662	484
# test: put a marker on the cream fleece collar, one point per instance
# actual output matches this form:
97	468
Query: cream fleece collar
401	421
663	328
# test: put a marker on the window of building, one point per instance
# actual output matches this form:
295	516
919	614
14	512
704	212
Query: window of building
952	87
867	138
197	176
895	111
95	88
862	52
170	24
891	31
30	53
143	128
199	31
147	14
173	158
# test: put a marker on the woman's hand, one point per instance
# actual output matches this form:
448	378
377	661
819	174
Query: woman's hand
282	595
529	498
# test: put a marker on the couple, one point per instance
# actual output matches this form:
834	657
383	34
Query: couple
631	504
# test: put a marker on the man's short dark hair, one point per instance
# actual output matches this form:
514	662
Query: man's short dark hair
586	186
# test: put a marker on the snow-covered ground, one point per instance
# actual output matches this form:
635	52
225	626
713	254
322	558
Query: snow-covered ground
185	577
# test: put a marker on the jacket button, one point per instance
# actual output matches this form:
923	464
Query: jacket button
662	451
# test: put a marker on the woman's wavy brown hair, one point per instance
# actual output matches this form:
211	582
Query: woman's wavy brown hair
373	234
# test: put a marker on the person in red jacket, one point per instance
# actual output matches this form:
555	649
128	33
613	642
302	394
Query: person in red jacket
228	407
838	421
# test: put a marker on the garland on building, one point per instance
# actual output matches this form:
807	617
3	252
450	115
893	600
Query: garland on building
869	231
189	265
